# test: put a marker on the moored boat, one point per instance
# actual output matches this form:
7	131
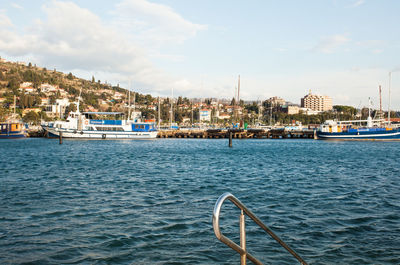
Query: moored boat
12	129
355	130
84	126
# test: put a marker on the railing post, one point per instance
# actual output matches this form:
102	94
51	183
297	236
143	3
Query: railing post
243	257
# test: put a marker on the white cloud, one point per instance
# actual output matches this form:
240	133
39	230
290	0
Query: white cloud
73	38
5	22
377	51
15	5
154	23
331	43
358	3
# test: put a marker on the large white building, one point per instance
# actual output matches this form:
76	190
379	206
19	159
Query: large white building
316	102
205	115
57	109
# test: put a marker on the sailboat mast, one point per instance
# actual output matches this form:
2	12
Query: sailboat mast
172	102
238	97
390	81
129	101
380	99
238	93
159	112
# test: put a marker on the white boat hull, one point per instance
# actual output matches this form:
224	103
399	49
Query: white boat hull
68	133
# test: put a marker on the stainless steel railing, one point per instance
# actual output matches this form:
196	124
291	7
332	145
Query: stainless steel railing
244	255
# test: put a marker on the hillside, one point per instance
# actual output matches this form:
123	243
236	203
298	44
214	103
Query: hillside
36	88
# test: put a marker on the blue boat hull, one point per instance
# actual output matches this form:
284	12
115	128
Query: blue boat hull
363	134
12	135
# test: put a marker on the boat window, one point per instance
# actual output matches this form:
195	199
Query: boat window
141	126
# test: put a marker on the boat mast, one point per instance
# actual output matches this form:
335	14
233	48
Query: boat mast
238	101
129	101
159	112
79	98
172	102
390	81
191	110
380	99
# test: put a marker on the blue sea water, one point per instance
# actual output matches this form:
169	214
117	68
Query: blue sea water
151	202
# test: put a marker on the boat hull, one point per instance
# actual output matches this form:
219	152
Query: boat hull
389	135
12	135
66	133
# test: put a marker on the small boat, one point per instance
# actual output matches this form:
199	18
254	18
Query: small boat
84	126
12	129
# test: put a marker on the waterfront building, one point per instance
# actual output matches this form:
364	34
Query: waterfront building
205	115
316	102
57	109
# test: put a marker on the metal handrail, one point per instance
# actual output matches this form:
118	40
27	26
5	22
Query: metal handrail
242	248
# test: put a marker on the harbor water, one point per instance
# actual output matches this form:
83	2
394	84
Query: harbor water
151	202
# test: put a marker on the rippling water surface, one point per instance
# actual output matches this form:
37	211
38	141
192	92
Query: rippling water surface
151	202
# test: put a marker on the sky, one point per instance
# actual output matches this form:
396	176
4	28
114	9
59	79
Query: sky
343	49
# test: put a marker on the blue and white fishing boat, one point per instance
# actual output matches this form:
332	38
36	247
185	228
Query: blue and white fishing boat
350	130
369	129
84	126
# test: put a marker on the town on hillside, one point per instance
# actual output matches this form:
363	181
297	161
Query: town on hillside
41	95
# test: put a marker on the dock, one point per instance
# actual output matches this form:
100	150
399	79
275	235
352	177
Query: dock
221	133
237	134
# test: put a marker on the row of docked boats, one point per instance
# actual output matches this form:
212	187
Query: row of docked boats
88	125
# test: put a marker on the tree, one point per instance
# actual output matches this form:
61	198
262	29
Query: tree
70	76
69	108
52	100
31	117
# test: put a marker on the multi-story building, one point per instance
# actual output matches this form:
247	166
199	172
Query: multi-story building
205	115
316	102
276	101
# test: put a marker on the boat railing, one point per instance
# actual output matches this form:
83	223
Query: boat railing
244	254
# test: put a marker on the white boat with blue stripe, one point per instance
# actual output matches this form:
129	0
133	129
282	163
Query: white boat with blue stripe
84	126
354	130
